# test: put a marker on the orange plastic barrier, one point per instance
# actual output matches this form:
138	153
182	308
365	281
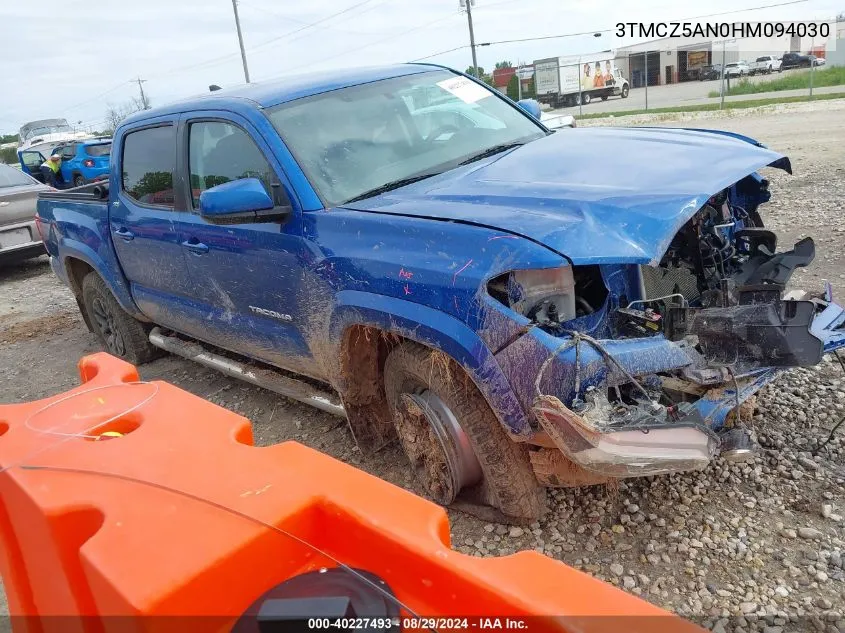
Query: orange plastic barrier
182	516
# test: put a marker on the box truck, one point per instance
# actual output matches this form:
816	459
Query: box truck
560	80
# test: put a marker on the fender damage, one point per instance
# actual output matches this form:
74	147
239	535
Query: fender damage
654	380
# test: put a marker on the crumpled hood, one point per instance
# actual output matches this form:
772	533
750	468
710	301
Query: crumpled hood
595	195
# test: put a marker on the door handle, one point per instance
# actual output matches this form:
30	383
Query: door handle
196	247
125	234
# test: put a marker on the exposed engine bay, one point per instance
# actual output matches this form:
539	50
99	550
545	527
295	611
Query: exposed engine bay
723	282
718	298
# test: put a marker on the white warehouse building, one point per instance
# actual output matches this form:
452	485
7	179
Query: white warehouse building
668	60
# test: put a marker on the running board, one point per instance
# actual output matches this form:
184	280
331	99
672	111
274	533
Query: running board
265	378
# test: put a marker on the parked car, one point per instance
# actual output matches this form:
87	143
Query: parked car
19	236
520	308
83	162
765	65
796	60
736	69
713	71
557	121
818	61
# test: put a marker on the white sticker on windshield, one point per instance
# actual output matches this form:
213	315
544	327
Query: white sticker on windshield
464	89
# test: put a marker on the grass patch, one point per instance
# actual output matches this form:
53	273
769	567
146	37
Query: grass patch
834	76
705	107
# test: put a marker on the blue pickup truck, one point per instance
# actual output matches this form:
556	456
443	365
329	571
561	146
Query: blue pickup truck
521	308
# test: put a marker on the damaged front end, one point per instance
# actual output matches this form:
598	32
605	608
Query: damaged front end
642	370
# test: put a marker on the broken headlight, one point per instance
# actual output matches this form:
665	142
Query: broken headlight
546	296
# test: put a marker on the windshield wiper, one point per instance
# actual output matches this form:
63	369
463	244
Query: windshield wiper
393	184
490	151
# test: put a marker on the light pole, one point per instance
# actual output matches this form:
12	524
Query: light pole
812	65
468	5
646	80
240	39
722	77
144	103
580	70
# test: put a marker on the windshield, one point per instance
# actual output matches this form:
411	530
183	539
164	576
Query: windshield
101	149
47	129
358	139
13	177
763	59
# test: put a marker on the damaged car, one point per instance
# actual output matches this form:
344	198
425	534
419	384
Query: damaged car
405	247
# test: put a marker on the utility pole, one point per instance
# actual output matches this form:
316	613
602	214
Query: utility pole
722	91
580	96
144	101
812	66
646	80
240	39
468	4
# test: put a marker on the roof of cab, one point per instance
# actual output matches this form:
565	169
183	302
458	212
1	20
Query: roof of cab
284	89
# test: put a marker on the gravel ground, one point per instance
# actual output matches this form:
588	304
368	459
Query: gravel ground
758	546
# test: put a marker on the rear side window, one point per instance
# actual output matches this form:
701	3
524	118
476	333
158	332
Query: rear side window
220	152
13	177
103	149
149	157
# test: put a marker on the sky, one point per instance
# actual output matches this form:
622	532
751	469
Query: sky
76	58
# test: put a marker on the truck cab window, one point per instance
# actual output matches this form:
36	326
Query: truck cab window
148	160
220	152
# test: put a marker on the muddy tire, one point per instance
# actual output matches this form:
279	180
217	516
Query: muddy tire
122	335
500	475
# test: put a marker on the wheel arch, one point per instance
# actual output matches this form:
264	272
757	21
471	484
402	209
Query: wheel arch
79	259
368	326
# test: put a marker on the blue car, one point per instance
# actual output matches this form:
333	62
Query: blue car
83	162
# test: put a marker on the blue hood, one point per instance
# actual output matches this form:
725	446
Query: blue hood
595	195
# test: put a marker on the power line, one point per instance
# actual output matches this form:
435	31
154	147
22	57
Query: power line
249	5
313	24
381	41
99	96
214	61
451	50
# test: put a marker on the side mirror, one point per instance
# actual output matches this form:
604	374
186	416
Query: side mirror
239	201
531	106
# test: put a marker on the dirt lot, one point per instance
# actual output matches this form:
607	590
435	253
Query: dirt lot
760	544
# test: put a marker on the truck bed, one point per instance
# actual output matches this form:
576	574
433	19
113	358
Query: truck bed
75	224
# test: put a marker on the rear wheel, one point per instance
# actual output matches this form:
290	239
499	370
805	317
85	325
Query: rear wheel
459	451
604	97
78	180
585	98
122	335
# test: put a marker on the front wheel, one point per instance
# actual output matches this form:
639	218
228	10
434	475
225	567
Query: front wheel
625	91
122	335
458	450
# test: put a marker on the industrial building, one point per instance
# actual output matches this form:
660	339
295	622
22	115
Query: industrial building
666	61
